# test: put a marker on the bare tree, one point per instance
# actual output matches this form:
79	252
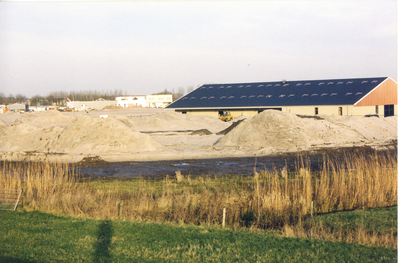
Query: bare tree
189	89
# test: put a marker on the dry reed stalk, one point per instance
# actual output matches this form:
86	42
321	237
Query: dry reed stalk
179	176
267	200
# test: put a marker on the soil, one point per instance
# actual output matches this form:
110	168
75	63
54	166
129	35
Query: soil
146	135
201	132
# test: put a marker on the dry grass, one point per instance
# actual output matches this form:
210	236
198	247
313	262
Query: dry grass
279	200
361	235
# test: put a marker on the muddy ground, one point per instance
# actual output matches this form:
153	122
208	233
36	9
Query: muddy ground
96	168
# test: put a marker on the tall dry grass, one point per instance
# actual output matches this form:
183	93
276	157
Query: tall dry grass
278	199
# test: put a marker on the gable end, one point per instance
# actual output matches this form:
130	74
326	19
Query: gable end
383	94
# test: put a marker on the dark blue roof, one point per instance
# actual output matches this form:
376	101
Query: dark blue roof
275	94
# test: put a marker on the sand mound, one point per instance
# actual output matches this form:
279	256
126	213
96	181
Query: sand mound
370	129
227	130
83	135
25	137
46	118
277	131
113	107
201	132
89	135
173	121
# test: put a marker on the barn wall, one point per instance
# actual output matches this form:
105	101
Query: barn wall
202	113
347	110
384	94
238	113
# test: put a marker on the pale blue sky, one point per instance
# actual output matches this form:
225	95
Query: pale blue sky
146	47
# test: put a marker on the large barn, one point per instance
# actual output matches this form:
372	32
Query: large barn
348	97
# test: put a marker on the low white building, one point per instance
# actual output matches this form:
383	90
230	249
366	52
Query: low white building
132	101
38	108
159	101
154	101
90	105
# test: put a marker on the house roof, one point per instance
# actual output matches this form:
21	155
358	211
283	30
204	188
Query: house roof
279	93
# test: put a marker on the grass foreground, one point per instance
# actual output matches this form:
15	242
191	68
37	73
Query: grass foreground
41	237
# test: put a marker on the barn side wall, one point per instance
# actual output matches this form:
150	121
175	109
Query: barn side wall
346	110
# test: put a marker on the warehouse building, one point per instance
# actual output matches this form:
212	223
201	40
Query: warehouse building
90	105
153	101
347	97
18	107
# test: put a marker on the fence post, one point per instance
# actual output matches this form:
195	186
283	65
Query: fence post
23	197
120	204
223	217
312	219
363	202
312	209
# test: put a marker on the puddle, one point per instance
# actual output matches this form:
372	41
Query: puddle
214	167
237	166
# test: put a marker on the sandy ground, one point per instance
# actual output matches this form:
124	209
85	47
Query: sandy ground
157	134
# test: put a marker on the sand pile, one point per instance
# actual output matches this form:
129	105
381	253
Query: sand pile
173	121
88	135
25	137
113	107
372	129
275	131
82	135
46	118
117	138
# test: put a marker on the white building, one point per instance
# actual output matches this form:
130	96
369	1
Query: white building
159	101
90	105
17	107
132	101
38	108
154	101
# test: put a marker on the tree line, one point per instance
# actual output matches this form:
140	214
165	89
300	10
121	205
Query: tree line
89	95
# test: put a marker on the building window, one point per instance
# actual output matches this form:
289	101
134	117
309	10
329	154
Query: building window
389	110
316	110
340	111
377	109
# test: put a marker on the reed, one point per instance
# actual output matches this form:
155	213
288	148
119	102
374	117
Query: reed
277	200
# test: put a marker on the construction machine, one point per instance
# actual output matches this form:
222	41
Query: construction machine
225	116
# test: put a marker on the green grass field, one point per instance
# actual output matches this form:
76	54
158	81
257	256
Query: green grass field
40	237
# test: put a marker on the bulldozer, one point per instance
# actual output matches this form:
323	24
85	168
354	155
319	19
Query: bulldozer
225	116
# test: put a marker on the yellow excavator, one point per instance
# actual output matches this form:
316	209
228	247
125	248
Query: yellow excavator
225	116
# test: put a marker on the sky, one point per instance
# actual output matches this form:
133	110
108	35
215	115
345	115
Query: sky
146	47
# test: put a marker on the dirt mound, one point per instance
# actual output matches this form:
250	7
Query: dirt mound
91	160
113	107
90	135
277	131
233	125
26	137
369	129
201	132
173	121
83	135
46	118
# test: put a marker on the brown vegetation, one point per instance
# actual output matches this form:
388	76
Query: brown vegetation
278	200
